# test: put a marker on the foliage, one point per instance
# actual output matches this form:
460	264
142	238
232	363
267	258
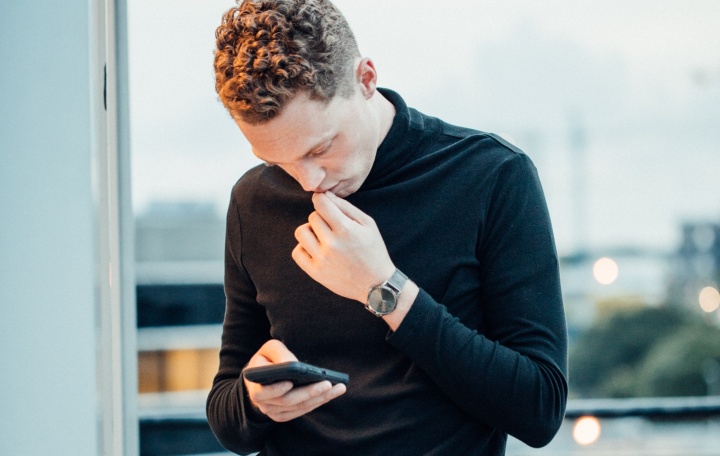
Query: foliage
613	347
648	352
675	366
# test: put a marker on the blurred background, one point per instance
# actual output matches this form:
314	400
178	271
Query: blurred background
616	102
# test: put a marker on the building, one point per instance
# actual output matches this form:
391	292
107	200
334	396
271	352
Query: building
696	267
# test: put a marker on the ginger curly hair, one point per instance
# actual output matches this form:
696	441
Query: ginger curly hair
269	50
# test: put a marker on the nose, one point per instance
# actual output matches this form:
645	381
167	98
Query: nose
309	176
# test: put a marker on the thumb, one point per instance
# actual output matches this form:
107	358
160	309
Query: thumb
349	209
276	352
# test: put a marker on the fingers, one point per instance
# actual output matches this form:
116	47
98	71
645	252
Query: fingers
337	212
280	401
305	235
302	259
319	226
299	401
313	234
274	351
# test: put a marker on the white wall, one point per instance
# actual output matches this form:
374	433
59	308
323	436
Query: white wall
51	386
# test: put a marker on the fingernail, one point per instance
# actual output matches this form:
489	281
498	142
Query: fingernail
339	389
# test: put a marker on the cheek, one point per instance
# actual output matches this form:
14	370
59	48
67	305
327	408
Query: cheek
352	158
353	162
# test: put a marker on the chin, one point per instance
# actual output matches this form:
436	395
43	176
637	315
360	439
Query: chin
344	191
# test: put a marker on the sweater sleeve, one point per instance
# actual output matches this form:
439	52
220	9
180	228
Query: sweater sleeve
233	420
511	373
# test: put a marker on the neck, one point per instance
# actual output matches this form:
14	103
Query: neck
385	114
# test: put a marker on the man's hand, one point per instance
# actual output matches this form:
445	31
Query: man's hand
341	248
280	401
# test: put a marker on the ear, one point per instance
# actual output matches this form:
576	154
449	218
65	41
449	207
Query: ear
366	75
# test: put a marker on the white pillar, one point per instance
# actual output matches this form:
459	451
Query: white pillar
63	333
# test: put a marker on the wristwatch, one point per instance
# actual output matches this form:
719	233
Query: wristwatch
383	298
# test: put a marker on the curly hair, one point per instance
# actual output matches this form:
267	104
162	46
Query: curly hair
269	50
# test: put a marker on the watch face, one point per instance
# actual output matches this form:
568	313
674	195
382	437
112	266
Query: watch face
382	300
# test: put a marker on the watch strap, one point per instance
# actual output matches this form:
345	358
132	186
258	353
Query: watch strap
397	281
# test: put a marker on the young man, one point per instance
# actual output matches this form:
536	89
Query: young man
441	232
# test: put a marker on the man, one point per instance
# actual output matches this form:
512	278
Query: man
362	197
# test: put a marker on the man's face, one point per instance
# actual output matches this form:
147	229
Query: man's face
323	146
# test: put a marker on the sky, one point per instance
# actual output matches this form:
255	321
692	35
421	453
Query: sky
616	102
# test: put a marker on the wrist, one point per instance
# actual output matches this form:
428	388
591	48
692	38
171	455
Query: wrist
364	289
383	298
407	298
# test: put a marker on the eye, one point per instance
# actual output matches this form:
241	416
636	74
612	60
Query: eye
323	150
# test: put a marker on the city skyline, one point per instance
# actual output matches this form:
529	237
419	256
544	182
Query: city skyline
641	88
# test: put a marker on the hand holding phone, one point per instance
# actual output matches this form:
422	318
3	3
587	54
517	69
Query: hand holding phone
283	402
297	372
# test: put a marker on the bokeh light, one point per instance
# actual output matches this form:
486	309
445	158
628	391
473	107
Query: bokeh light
709	299
605	271
586	430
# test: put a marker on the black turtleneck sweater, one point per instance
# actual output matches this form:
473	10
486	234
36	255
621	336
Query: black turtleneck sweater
482	351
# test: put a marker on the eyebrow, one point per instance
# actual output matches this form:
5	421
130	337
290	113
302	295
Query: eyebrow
319	146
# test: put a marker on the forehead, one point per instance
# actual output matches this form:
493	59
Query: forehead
301	126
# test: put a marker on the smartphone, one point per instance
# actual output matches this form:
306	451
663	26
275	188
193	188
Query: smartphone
295	371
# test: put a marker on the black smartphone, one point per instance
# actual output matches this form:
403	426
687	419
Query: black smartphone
295	371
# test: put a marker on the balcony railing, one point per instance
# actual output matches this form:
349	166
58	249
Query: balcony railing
175	424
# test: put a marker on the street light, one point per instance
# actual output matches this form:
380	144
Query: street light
605	271
709	299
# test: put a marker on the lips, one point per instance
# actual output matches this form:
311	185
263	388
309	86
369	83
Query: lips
330	189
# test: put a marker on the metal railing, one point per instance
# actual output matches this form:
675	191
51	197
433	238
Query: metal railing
654	407
183	429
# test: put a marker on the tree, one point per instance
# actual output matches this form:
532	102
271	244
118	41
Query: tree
679	365
604	361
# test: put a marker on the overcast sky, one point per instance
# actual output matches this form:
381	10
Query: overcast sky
638	82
